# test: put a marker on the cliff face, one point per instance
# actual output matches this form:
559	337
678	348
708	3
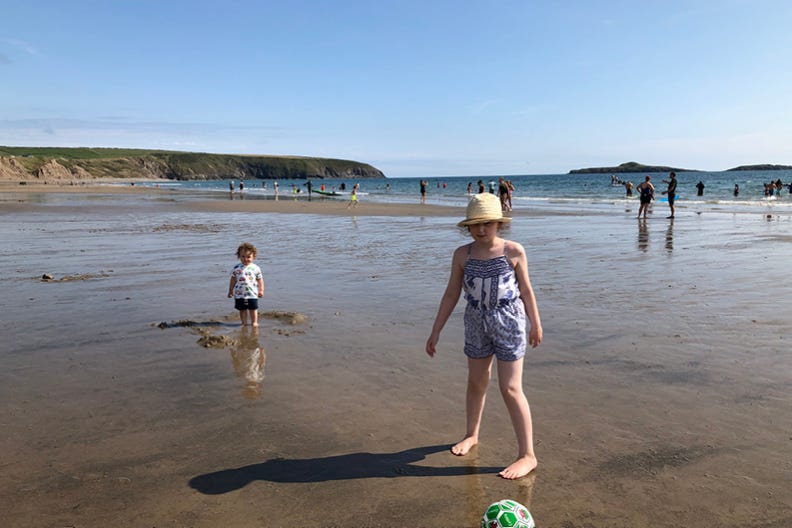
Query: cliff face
82	164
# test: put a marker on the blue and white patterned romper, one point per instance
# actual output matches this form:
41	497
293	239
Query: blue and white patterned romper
495	315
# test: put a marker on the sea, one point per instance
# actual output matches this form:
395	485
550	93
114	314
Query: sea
561	192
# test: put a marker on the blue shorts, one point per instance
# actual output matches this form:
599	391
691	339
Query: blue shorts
246	304
500	331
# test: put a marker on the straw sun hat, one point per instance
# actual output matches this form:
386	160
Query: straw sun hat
483	208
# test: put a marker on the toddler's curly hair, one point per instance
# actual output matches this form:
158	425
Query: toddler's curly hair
247	247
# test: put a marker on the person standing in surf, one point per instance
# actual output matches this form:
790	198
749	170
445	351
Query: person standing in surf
671	192
646	194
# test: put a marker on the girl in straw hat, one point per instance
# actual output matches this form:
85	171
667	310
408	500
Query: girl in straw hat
494	275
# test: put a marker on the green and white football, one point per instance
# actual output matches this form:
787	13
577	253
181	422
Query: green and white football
507	514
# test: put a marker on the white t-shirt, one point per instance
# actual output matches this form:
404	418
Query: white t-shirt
246	286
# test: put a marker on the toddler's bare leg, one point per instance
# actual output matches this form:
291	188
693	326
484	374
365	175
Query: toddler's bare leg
254	317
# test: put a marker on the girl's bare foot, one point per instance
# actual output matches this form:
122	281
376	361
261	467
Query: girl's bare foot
519	468
464	446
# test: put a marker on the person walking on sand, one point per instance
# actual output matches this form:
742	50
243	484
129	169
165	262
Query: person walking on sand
646	193
246	285
671	192
494	275
700	188
353	198
423	185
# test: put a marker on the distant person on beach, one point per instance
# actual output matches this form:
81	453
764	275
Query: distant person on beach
310	188
241	186
700	187
246	285
671	192
275	186
492	186
470	188
736	190
353	197
503	193
628	186
423	190
646	192
231	186
494	275
481	187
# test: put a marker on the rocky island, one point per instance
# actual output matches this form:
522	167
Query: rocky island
44	164
762	167
630	166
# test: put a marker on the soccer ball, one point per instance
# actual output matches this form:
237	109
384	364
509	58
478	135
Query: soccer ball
507	514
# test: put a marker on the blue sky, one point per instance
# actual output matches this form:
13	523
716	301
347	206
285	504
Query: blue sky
416	88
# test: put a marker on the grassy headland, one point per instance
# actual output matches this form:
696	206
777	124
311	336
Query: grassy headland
52	163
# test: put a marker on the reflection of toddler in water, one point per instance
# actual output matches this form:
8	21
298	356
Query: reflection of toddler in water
248	358
246	285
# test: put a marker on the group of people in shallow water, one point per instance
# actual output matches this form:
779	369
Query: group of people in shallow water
647	194
647	190
773	188
503	190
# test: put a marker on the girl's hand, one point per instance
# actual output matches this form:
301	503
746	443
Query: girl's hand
535	336
430	345
230	295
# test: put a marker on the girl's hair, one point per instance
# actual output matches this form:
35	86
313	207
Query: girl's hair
246	248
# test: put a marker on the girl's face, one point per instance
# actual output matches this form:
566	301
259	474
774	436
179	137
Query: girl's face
247	258
485	232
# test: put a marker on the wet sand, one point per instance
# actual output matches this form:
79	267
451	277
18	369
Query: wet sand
660	395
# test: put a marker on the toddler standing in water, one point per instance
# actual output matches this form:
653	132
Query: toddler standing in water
494	275
246	285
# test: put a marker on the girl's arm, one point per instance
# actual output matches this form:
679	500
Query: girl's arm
260	283
449	299
520	263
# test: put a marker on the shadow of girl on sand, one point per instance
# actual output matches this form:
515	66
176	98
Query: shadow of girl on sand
341	467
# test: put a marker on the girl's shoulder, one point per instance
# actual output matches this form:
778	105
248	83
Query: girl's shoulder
512	248
464	249
514	251
461	254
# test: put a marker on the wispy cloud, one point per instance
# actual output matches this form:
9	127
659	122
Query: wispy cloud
119	131
21	45
483	106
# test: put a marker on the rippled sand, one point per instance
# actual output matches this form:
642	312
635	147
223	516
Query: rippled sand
660	395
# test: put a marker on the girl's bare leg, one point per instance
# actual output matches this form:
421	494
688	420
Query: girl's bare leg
254	318
510	381
243	317
478	379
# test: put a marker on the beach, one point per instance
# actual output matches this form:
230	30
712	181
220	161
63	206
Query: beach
660	395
